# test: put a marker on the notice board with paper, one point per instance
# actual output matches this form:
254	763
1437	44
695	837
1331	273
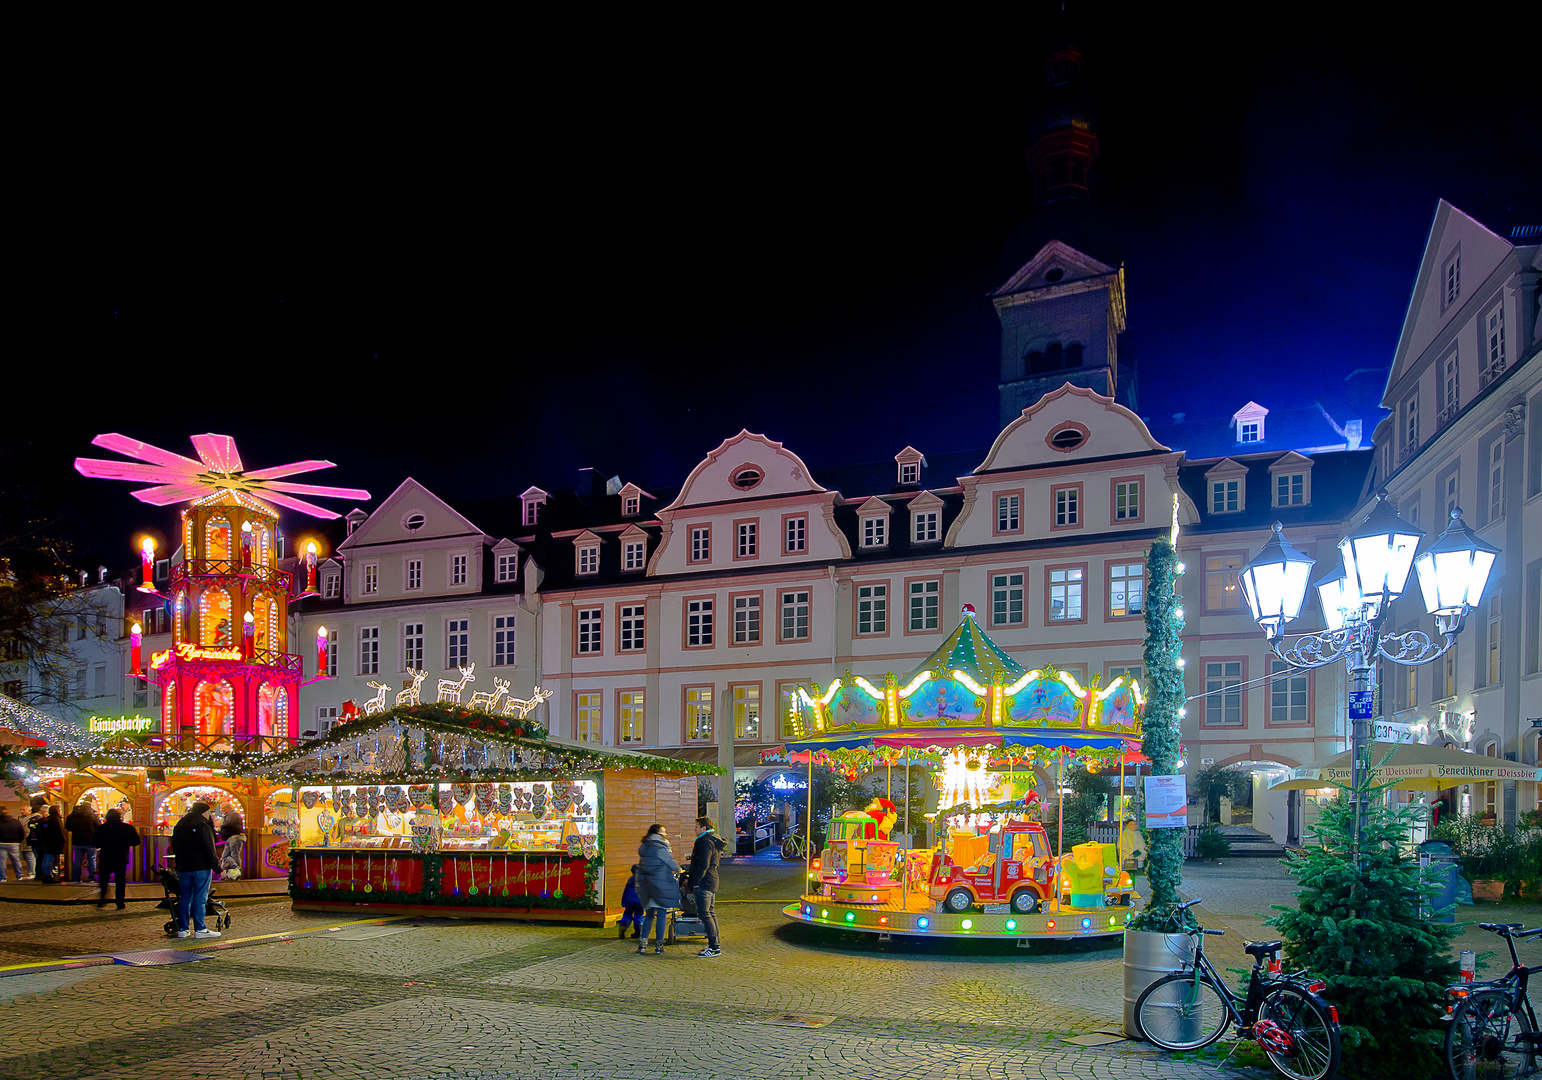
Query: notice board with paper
1167	802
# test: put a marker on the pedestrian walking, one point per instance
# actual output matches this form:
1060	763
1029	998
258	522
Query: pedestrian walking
13	834
631	907
36	815
658	886
232	846
192	842
705	857
82	823
114	839
47	833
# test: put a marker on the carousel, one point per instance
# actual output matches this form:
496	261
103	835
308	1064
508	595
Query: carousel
994	735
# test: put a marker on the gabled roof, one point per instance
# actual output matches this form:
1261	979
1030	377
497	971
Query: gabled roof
1251	411
444	521
1022	444
1074	266
784	472
1482	251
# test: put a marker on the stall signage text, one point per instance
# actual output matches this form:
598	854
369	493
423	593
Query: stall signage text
111	725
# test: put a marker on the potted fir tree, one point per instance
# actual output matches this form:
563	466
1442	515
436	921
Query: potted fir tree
1155	942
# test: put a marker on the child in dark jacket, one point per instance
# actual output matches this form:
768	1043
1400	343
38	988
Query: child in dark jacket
632	905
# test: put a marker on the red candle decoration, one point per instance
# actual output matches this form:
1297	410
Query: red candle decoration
246	543
310	566
321	652
136	638
248	632
147	564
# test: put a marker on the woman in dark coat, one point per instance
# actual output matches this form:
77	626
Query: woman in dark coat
658	885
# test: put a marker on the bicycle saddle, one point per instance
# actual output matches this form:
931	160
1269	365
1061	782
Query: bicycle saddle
1262	948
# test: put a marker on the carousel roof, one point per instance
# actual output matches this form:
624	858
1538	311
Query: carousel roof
969	650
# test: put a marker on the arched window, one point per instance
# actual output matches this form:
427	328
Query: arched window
169	708
215	625
264	546
214	707
269	699
216	544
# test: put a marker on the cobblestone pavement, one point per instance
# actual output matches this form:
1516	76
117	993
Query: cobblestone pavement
482	999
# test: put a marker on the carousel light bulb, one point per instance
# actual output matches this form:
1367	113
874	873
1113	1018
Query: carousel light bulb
1020	683
964	678
1072	685
829	695
871	690
915	684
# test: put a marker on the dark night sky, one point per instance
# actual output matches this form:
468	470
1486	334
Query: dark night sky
493	268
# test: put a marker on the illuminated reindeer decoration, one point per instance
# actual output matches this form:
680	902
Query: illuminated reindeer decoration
449	689
483	700
376	703
519	708
409	694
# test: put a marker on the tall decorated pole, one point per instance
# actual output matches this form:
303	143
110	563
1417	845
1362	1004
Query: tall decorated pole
1164	702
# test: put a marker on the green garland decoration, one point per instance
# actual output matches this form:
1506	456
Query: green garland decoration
1164	697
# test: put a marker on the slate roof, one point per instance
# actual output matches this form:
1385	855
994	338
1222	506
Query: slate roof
1338	485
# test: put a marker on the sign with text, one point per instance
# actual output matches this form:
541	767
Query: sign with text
1361	704
113	725
1167	802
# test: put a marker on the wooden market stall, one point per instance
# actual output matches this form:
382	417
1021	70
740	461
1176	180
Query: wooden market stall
438	809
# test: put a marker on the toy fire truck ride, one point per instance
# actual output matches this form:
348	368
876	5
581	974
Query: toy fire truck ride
1010	864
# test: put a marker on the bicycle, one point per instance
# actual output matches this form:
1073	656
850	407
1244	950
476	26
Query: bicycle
795	847
1284	1014
1492	1031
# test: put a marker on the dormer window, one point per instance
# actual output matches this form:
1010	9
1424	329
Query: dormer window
532	501
873	524
1225	490
910	472
630	506
589	559
1249	423
1290	481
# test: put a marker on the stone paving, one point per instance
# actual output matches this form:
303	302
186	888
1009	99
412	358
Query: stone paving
468	1000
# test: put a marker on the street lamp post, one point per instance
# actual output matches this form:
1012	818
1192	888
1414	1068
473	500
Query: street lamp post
1375	561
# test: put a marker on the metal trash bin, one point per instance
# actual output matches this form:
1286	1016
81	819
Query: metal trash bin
1437	865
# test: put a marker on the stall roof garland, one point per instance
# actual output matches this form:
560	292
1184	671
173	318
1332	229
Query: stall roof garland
435	742
61	735
852	761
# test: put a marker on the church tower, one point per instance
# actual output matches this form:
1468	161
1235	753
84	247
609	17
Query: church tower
1063	308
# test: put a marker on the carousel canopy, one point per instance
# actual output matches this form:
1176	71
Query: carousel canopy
969	650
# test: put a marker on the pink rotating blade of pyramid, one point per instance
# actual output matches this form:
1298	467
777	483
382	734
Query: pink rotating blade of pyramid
174	478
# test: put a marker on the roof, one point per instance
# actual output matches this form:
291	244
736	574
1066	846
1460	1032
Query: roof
1338	484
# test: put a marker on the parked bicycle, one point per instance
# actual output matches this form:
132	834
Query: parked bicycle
795	847
1492	1031
1284	1014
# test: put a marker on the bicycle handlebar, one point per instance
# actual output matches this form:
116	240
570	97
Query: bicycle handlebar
1191	903
1509	929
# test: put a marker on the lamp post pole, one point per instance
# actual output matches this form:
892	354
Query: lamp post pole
1356	596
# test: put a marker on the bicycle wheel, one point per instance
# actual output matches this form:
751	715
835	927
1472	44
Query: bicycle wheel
1313	1050
792	851
1180	1012
1486	1039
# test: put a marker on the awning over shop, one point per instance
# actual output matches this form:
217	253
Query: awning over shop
1410	767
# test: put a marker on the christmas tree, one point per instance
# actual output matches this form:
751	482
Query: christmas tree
1164	704
1362	926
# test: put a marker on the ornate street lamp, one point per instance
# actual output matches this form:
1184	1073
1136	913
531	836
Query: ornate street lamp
1376	560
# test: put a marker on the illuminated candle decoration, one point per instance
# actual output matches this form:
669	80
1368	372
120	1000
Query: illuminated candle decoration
248	631
246	543
310	567
147	564
136	639
321	652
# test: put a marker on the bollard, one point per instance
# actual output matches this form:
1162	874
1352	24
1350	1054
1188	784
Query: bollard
1469	966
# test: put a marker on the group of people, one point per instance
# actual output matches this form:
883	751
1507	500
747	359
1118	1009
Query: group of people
31	848
653	890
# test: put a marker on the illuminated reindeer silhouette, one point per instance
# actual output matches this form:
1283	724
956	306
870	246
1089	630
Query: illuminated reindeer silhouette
519	708
483	700
376	703
449	689
409	694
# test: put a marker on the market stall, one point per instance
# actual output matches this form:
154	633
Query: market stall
994	735
435	808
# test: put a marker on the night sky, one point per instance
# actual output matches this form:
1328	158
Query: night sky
493	269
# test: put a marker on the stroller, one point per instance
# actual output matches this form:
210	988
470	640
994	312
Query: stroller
216	915
686	922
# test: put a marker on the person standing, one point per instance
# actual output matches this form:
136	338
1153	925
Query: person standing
114	838
705	858
47	835
12	835
36	815
658	886
232	846
192	842
82	823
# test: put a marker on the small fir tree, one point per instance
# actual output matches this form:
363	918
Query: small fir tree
1164	697
1386	969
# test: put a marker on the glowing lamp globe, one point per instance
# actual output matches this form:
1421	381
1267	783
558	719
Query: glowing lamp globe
1275	582
1336	599
1378	555
1454	569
